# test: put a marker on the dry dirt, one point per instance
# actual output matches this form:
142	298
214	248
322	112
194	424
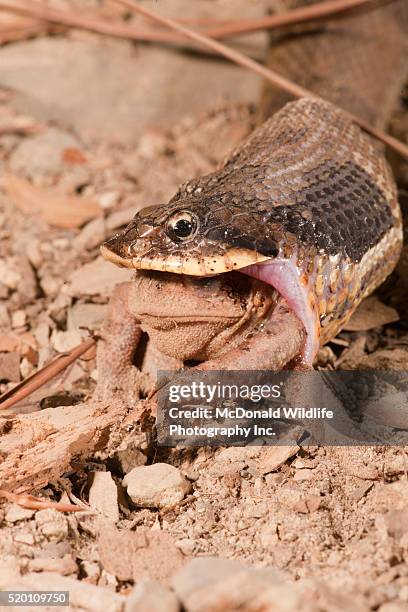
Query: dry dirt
91	130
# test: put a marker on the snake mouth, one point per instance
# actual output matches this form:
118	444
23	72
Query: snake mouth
278	272
211	265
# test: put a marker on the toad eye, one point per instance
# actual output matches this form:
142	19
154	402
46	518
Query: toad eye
181	226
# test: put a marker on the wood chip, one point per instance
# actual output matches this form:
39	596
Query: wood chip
56	209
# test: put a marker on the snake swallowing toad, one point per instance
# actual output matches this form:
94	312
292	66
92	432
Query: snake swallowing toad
306	208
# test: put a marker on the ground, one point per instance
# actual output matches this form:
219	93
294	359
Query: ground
91	130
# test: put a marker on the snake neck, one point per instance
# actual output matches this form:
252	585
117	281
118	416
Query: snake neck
358	61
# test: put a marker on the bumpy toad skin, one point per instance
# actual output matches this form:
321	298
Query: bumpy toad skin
226	322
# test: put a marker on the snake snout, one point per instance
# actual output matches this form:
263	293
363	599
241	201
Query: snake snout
124	246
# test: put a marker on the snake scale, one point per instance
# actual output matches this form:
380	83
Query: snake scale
307	203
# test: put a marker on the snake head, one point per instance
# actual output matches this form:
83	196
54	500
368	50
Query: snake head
190	236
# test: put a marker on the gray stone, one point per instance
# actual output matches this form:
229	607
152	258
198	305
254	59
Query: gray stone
156	486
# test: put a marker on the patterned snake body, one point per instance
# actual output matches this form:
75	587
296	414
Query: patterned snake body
307	204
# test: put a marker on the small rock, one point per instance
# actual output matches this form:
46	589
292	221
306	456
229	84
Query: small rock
50	285
304	474
65	341
16	513
396	522
42	334
152	596
108	199
9	276
52	524
103	495
24	538
156	486
89	316
26	368
10	367
365	472
96	278
18	319
65	566
273	457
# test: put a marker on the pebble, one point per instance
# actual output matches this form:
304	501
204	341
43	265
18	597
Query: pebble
10	367
98	277
52	524
103	495
65	341
24	538
90	316
9	276
108	199
50	285
156	486
303	474
16	513
152	596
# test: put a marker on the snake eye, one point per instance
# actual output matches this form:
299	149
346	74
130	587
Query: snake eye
181	226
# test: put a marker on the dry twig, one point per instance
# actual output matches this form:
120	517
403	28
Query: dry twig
40	378
320	10
35	503
273	77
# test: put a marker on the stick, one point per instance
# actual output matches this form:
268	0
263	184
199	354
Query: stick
40	378
317	11
87	23
314	12
273	77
